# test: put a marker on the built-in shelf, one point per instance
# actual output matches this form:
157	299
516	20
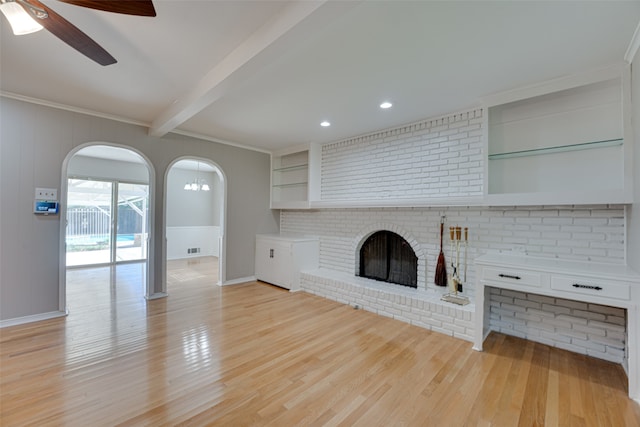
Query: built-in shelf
558	149
566	145
291	168
292	184
395	203
290	179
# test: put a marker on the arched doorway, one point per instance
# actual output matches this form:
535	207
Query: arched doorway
107	200
195	195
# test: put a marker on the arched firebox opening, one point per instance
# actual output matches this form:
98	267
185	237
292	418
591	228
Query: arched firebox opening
388	257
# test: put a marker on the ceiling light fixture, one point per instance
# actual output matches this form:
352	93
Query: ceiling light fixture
197	184
21	21
325	124
386	105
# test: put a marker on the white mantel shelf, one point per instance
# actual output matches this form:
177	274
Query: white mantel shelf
542	199
606	284
396	203
602	197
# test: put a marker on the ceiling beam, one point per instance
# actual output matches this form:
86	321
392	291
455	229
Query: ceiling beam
217	81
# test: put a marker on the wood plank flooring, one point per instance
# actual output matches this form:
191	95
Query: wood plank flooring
257	355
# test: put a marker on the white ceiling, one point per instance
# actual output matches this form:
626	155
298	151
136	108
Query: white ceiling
264	74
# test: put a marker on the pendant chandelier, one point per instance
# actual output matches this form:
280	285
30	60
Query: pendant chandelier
197	184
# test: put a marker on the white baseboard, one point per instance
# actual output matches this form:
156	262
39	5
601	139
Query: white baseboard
238	281
33	318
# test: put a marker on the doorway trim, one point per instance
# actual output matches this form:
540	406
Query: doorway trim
222	240
62	280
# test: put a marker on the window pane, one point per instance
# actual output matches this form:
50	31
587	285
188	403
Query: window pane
88	235
131	236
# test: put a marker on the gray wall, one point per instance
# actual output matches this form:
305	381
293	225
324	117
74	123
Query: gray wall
34	141
192	208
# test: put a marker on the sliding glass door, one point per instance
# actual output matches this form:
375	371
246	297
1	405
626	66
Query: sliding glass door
106	222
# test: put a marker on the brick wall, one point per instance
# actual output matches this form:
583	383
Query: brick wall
434	158
588	233
592	329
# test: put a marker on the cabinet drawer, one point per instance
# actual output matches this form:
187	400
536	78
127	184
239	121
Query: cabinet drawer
591	287
515	277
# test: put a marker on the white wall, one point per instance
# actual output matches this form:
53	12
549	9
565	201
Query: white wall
633	255
204	238
192	208
36	139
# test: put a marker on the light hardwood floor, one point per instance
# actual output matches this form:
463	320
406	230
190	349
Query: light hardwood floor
254	354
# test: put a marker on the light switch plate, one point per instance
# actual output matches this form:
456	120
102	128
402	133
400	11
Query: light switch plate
46	193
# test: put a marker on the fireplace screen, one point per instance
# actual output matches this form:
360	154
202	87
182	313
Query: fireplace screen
386	256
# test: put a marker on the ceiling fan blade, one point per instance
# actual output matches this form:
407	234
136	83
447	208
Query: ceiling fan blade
129	7
68	33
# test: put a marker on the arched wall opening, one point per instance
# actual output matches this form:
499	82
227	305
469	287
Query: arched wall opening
89	172
194	212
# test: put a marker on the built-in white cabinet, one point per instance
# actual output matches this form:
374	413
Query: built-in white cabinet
564	142
280	258
293	177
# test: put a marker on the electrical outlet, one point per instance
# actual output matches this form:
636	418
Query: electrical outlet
46	193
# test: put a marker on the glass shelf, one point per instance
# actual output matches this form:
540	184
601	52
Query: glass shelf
558	149
291	168
293	184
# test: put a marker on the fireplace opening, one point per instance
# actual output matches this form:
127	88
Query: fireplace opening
387	257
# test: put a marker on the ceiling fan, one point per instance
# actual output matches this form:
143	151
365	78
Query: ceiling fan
45	17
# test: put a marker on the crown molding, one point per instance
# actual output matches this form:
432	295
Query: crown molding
121	119
219	141
71	108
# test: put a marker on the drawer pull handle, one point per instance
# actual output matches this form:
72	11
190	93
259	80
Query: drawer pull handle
578	285
509	276
270	253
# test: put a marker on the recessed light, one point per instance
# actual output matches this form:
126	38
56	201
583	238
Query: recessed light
325	124
386	105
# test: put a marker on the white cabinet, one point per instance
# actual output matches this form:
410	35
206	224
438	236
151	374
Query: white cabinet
280	258
563	142
605	284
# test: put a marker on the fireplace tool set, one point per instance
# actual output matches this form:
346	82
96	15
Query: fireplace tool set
458	274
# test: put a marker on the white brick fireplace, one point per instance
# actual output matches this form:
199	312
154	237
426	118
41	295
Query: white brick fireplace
443	158
587	233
